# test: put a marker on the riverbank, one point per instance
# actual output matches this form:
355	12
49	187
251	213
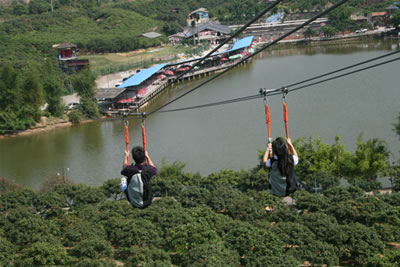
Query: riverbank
46	125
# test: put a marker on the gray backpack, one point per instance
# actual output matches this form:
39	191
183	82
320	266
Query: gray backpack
139	192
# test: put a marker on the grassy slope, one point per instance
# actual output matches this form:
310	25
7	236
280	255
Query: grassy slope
24	35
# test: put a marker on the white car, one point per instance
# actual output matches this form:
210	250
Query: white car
73	105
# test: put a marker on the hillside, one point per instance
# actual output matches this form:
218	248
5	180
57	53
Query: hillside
116	26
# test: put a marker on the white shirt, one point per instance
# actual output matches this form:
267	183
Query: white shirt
268	163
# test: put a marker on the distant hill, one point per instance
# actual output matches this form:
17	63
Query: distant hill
9	2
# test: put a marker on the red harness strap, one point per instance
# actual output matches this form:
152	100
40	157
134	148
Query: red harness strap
144	136
268	121
126	139
285	119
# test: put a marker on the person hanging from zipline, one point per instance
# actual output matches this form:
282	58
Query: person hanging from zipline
136	183
281	164
280	158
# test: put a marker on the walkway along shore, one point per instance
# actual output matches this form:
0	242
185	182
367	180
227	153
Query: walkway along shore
155	90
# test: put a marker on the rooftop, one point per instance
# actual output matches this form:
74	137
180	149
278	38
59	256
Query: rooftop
65	45
198	10
151	34
140	77
109	93
207	26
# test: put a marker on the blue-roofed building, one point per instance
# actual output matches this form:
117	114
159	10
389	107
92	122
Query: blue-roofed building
142	76
242	43
275	18
145	84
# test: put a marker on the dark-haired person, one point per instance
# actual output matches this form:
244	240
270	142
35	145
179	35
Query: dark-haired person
143	164
281	164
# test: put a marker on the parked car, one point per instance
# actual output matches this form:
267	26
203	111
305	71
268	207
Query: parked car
73	105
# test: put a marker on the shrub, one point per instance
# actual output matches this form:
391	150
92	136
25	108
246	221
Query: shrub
210	254
92	248
43	254
75	116
145	256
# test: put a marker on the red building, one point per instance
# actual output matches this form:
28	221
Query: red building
68	60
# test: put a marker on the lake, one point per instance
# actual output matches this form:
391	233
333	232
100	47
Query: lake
227	136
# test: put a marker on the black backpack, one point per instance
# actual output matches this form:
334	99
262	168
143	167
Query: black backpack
139	192
292	182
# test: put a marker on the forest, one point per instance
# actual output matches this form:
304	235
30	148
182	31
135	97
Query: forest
217	220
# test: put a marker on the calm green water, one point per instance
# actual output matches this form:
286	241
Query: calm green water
226	137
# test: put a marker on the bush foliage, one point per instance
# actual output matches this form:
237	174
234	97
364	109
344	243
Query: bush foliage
218	220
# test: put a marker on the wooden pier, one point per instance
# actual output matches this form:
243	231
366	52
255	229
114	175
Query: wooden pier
155	89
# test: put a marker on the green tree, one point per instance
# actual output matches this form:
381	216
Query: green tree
53	90
252	243
339	18
397	125
32	93
329	30
80	231
7	250
75	195
309	32
395	19
210	254
187	236
92	248
389	258
43	254
19	8
84	84
370	160
357	243
146	256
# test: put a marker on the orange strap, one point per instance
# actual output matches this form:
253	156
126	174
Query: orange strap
268	125
126	141
285	119
144	137
268	120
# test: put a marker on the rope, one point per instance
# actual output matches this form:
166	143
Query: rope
268	122
126	139
143	134
285	115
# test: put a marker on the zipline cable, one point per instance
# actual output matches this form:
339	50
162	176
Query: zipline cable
223	102
277	91
252	55
345	68
345	74
236	33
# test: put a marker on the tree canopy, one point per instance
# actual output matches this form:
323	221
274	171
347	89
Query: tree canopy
215	220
